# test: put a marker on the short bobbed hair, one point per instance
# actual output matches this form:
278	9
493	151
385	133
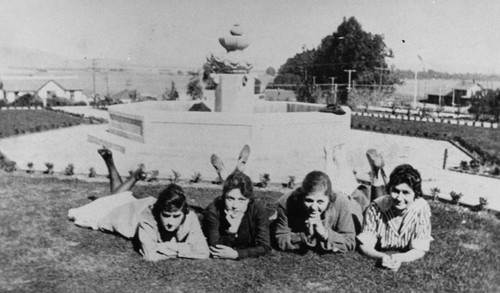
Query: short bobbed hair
317	181
171	199
238	180
406	174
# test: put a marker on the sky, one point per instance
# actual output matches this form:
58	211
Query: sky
449	35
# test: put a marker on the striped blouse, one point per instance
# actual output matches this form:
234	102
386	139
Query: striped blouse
384	230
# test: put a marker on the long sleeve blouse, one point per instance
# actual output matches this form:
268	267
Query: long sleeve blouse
252	238
383	229
290	228
157	244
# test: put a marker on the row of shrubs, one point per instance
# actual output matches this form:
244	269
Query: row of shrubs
456	196
422	130
485	156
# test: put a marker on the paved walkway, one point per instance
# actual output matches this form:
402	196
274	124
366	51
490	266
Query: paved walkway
70	145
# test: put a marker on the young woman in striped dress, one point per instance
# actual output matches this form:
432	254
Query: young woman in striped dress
399	220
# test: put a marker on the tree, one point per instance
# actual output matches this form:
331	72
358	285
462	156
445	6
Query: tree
350	47
488	102
194	88
171	94
295	69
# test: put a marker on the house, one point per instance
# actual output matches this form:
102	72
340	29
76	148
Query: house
279	95
125	96
69	89
459	95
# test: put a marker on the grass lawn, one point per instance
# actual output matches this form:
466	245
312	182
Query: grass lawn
14	122
488	139
41	251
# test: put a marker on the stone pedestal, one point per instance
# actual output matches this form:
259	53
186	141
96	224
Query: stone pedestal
235	93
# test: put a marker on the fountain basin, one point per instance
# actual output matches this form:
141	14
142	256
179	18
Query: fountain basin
286	138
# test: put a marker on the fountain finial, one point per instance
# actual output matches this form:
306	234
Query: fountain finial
233	61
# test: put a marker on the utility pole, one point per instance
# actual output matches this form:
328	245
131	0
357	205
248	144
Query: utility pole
334	94
94	63
107	83
382	72
349	82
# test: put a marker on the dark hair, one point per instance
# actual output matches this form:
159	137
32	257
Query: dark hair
238	180
171	199
406	174
315	181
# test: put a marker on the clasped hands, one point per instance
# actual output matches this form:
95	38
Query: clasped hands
391	262
315	226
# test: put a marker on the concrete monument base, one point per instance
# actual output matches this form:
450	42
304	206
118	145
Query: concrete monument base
279	133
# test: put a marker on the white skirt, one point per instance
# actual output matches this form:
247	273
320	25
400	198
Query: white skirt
113	213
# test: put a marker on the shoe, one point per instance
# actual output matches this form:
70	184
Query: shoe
333	108
376	163
217	163
244	154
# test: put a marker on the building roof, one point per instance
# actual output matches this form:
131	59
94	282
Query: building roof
34	84
123	95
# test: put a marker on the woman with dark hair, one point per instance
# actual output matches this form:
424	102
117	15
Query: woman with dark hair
399	220
164	227
236	224
314	217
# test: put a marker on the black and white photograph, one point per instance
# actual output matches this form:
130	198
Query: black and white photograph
249	146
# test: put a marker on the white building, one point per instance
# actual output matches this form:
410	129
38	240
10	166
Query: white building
69	89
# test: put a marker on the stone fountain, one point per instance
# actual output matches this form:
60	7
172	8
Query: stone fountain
286	138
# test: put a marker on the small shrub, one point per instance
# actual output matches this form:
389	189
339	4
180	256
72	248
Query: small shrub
496	171
474	166
435	193
264	180
70	170
175	177
10	166
464	166
455	197
153	176
50	169
483	203
30	168
196	177
290	184
92	172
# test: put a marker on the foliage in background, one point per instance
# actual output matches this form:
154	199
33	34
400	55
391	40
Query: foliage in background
486	102
50	168
69	170
348	48
194	88
171	94
196	177
455	197
92	172
175	177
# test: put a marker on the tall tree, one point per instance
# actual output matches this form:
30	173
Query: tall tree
350	47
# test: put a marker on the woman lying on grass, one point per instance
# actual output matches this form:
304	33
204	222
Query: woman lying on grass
399	220
164	227
236	224
314	217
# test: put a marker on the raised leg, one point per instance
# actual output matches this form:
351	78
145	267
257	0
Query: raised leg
377	173
243	158
338	168
114	177
137	175
219	167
